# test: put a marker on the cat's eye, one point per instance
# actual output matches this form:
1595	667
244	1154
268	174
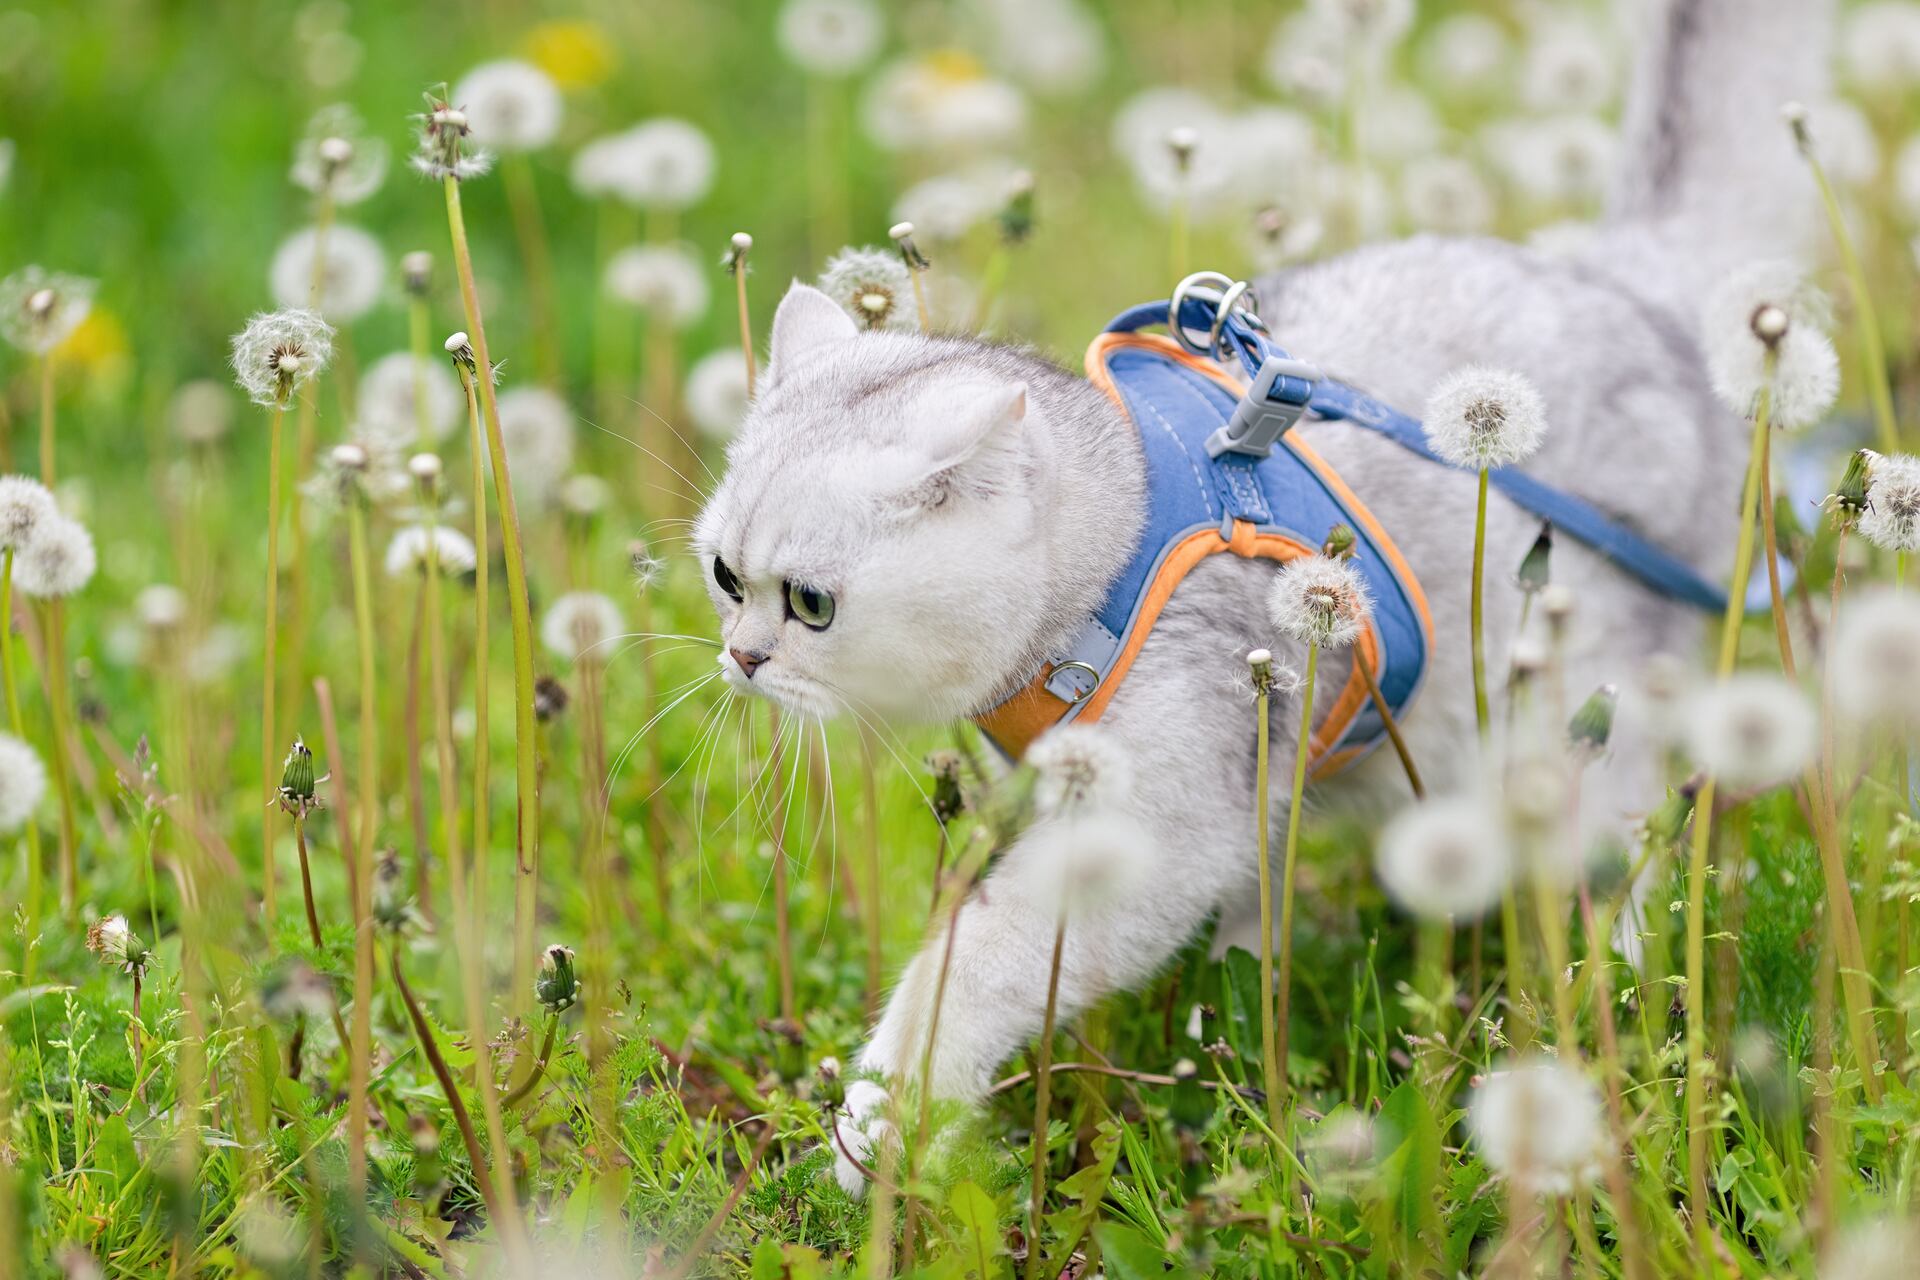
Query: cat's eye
724	579
815	608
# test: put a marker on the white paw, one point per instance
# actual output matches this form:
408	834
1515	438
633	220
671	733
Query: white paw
863	1128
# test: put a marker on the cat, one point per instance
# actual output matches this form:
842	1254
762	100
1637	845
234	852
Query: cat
910	523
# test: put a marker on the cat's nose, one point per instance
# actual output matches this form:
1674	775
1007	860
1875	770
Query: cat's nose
748	661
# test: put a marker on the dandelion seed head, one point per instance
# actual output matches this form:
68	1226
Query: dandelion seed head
664	163
1892	518
585	496
1464	53
115	943
1877	1249
510	105
397	387
1201	168
1556	161
1083	861
351	279
871	285
23	783
1480	418
578	626
415	549
665	280
40	309
161	607
1319	601
537	428
338	157
1445	858
201	412
1539	1123
1876	659
425	468
1805	370
57	561
942	104
1568	65
1751	730
1446	194
1079	768
716	393
25	504
830	38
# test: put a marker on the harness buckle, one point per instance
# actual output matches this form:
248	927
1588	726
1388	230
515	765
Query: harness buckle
1280	393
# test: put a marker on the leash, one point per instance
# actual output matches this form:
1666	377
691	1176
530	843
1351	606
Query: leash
1281	389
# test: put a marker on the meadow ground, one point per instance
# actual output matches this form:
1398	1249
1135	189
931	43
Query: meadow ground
601	1038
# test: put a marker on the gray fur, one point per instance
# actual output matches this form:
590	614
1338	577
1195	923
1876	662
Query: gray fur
968	550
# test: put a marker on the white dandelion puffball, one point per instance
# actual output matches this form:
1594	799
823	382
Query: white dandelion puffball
1398	125
1568	65
832	38
279	352
351	278
1806	372
1880	45
1465	55
1446	194
25	505
1751	730
510	105
161	606
1892	518
396	389
1079	768
1085	861
1364	24
1480	418
1447	858
201	411
56	561
1877	1249
1559	160
1539	1123
418	548
716	393
40	309
1180	147
948	205
664	163
537	428
580	625
23	781
927	104
666	280
1319	601
1276	152
871	285
1844	142
1054	47
584	496
1307	60
1876	658
338	157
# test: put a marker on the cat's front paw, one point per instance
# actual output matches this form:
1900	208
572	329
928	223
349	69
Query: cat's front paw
861	1131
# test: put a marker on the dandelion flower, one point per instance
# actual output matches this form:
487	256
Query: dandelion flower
1319	601
416	548
579	624
717	393
1751	730
279	352
537	428
1892	517
1538	1122
510	105
201	411
1079	767
872	286
1480	418
25	504
666	280
23	781
351	278
40	308
444	151
56	561
338	158
1876	658
831	38
1806	372
388	405
1085	861
1447	858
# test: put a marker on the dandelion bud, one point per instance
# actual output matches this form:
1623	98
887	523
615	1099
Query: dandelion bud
1260	670
1663	826
1849	501
1592	724
118	946
1769	324
416	272
833	1088
1533	575
296	777
549	699
556	986
1339	544
737	249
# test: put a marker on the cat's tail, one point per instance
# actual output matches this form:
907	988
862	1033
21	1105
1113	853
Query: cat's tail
1709	166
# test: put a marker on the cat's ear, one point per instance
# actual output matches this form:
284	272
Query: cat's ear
971	445
807	319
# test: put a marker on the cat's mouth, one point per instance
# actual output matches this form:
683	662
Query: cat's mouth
791	692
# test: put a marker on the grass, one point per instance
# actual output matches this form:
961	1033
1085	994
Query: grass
674	1121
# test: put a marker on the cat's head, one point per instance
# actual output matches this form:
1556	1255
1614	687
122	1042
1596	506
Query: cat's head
879	543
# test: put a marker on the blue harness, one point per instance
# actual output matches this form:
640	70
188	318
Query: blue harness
1225	473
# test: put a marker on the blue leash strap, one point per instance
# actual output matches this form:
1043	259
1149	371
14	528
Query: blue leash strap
1575	517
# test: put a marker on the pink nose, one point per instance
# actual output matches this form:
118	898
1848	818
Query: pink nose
749	662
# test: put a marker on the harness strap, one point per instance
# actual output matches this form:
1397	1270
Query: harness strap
1575	517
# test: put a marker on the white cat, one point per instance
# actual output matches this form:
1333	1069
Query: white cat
910	524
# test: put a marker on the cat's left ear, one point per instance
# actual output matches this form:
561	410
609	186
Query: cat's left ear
807	320
971	444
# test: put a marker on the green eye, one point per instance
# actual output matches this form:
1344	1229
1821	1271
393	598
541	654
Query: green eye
815	608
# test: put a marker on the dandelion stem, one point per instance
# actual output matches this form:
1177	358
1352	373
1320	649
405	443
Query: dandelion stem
1042	1104
482	737
358	556
1262	832
58	704
1477	613
46	418
417	334
36	870
519	1094
1302	747
527	826
360	882
1394	735
746	321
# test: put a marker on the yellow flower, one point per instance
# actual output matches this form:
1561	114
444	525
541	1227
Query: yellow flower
578	55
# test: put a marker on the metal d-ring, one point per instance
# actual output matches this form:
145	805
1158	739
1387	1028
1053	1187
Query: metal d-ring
1217	287
1240	291
1079	697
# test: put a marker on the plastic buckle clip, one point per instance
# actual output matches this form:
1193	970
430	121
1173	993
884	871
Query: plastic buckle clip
1279	395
